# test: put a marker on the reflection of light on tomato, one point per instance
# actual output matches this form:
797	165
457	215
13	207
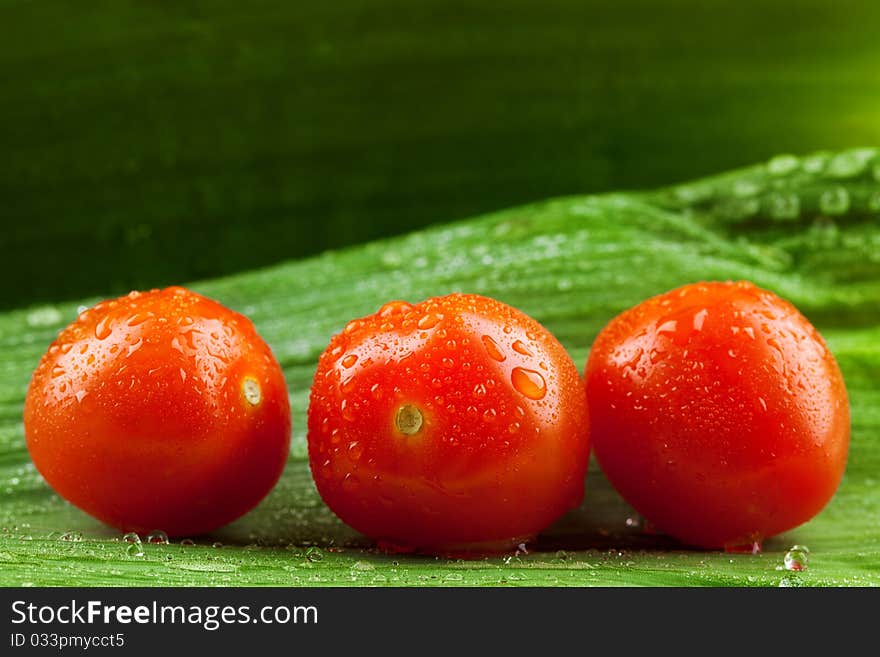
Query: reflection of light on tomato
453	425
159	411
718	412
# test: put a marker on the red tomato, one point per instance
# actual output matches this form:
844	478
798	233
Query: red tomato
159	410
718	412
458	424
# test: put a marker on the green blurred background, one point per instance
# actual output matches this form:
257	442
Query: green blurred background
151	142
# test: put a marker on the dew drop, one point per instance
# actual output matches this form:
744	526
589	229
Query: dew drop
314	554
137	318
157	537
349	361
394	308
782	165
376	391
699	318
479	390
667	327
489	415
347	411
103	328
72	536
428	321
834	201
80	394
513	427
350	483
850	163
492	349
352	326
135	550
448	363
355	451
135	547
796	558
528	382
784	206
57	371
187	542
521	348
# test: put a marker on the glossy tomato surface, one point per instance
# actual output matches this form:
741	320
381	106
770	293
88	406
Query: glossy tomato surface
456	424
718	412
161	410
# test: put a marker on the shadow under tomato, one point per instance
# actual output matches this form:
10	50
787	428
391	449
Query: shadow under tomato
294	515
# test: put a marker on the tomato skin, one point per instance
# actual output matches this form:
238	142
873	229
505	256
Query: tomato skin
489	466
159	410
717	411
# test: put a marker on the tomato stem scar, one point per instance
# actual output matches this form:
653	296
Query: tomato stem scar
250	388
408	419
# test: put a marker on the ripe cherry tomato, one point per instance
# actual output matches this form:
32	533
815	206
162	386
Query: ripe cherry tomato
718	412
159	410
458	424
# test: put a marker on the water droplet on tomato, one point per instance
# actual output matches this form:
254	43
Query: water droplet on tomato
448	363
137	318
667	327
65	348
528	382
355	451
103	328
796	558
80	394
699	318
347	411
135	346
157	537
520	348
513	427
394	308
492	349
479	390
376	391
352	326
428	321
57	371
349	361
489	415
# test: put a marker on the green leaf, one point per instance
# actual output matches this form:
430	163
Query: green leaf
806	228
